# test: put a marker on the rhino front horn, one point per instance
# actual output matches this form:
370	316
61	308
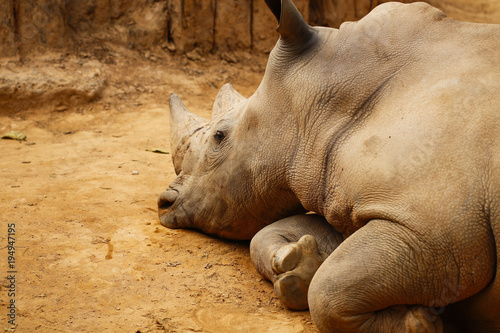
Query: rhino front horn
182	124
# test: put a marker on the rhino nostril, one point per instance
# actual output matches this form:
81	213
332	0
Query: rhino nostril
167	199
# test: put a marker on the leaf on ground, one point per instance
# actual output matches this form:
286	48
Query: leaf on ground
14	135
158	151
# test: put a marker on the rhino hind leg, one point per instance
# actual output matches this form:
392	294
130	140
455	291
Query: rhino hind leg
289	252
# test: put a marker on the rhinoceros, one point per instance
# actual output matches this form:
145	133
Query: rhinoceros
366	167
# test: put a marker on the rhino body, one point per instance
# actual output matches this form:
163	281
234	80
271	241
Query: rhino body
389	130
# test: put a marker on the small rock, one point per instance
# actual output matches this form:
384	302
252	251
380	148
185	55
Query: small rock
61	109
230	58
173	264
169	46
195	55
140	88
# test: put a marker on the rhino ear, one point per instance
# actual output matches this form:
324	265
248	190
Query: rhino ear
291	25
226	100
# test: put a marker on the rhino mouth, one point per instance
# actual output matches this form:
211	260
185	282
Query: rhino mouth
170	211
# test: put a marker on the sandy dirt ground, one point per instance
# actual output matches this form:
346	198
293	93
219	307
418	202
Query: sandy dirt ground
90	254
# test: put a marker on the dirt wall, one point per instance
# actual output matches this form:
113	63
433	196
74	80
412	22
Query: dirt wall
34	26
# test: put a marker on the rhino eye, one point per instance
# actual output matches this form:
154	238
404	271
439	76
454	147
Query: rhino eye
219	136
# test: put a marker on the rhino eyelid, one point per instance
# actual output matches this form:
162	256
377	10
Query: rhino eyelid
219	136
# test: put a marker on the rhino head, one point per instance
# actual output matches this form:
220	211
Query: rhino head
266	157
230	182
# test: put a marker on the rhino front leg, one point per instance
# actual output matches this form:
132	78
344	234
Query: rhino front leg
381	279
289	252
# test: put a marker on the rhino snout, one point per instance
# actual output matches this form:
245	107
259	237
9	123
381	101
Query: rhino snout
167	198
165	209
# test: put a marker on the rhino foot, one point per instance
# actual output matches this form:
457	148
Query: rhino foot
295	265
420	319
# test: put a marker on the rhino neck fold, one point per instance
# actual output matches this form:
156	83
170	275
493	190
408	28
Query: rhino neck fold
310	177
316	171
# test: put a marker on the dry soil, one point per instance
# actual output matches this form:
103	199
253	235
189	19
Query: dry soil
90	254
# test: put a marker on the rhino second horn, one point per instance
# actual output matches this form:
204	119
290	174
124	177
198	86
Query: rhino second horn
182	124
226	100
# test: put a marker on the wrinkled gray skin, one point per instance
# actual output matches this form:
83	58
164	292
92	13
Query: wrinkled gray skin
389	130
